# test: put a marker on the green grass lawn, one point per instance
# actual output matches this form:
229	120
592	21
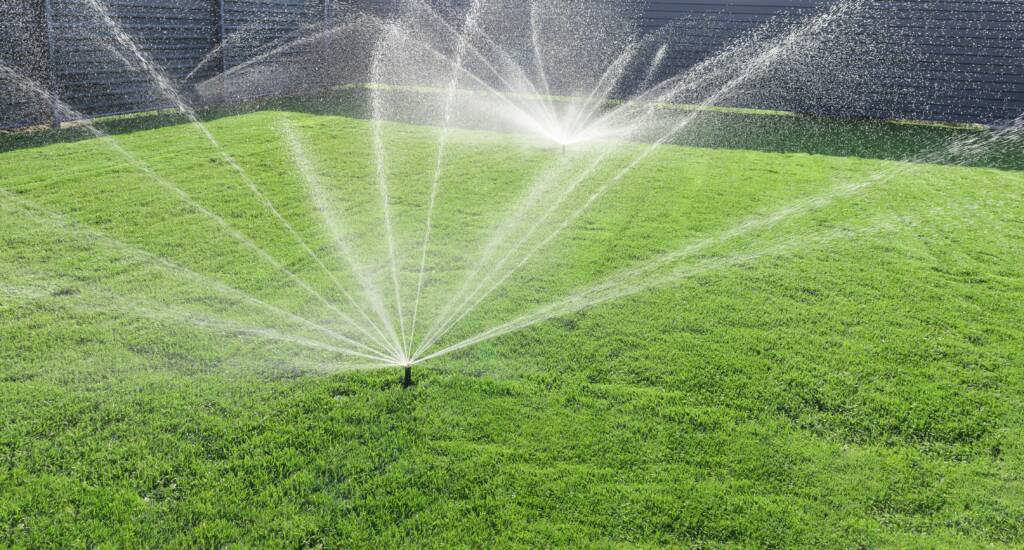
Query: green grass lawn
851	374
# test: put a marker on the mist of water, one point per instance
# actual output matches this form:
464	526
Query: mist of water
60	224
167	185
166	87
585	83
665	269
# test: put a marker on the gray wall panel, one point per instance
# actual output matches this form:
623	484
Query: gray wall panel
97	76
956	60
23	48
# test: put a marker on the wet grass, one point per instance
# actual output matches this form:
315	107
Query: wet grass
849	376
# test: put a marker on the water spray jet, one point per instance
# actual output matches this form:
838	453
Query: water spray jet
573	89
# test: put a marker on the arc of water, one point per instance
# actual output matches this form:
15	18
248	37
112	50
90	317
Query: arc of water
206	59
533	123
605	78
279	46
637	279
652	70
453	314
183	195
392	31
164	313
168	89
395	30
650	100
616	70
611	76
595	296
464	296
333	225
478	55
667	91
61	221
382	181
236	37
462	43
547	112
538	55
759	63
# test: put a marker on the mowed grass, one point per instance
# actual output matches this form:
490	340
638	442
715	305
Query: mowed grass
850	375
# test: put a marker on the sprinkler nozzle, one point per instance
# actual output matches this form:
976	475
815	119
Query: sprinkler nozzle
407	381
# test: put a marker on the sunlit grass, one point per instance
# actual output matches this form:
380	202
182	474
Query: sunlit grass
848	376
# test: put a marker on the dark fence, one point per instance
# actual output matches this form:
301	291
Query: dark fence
24	39
952	60
948	60
69	48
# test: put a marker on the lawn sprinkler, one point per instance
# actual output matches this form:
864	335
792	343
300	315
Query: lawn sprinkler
407	381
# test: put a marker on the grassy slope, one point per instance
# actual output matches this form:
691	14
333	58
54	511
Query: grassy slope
860	390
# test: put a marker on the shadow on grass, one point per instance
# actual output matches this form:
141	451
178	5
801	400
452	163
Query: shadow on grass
776	133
